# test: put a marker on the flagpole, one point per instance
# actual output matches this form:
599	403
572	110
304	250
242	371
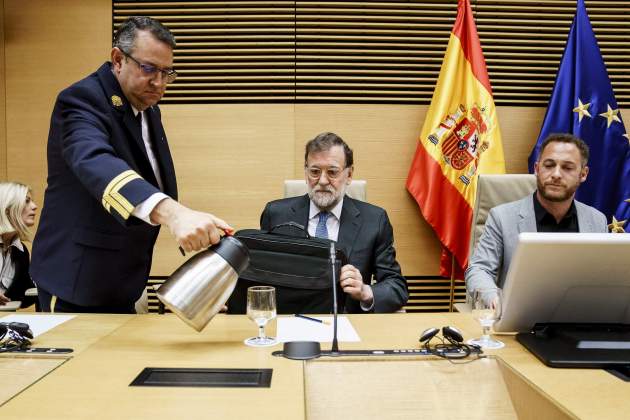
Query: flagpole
452	295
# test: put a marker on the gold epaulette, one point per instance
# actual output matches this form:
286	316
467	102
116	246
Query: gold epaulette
113	199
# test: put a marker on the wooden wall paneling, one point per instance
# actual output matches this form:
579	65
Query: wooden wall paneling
3	117
384	139
370	51
520	127
523	41
48	46
219	149
227	51
230	160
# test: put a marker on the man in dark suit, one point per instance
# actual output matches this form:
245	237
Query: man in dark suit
111	181
362	230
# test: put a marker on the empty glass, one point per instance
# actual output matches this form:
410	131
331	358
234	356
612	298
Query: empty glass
261	308
486	308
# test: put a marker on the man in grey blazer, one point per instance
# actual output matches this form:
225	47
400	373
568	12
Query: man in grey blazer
362	230
560	169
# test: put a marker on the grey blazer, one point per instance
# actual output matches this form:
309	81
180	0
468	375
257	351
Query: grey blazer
489	263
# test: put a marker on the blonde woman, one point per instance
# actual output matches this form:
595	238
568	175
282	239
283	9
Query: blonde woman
17	216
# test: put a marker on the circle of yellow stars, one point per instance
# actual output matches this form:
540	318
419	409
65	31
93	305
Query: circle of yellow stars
611	115
617	225
582	110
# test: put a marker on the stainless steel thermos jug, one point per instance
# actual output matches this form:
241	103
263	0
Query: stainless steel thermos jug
198	289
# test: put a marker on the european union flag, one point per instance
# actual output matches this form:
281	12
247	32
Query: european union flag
583	103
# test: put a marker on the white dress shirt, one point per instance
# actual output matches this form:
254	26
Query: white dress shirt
332	225
143	210
7	265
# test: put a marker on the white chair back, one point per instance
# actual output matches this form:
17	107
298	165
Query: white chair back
493	190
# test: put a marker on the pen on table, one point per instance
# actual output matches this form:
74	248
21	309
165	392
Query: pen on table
321	321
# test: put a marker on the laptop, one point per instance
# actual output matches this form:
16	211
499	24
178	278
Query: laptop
568	296
567	278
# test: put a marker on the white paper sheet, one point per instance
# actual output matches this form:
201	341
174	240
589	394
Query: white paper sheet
39	323
300	329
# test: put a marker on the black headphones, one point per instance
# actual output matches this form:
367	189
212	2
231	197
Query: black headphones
451	346
14	336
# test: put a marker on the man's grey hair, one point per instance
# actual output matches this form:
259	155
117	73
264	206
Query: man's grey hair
126	34
325	141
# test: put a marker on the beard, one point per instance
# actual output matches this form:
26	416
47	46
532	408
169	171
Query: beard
563	193
325	198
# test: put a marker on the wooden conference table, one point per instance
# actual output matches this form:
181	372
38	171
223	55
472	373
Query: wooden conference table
111	350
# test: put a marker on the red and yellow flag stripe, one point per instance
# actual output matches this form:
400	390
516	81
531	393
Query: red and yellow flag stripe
460	138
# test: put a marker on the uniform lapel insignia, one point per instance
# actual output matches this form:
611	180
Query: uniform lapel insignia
116	101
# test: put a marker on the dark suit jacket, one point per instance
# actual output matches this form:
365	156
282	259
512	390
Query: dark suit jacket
88	249
22	280
366	237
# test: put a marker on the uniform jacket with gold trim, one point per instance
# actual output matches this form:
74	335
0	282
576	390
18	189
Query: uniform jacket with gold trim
88	249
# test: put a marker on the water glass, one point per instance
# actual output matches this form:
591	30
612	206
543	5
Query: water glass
261	308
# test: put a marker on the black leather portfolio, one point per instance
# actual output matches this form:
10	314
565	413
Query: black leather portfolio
297	265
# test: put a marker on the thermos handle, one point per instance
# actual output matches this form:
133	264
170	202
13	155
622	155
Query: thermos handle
184	252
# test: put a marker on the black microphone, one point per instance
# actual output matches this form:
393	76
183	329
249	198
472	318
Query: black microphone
305	350
334	350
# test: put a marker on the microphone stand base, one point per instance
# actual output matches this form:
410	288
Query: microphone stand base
300	350
454	353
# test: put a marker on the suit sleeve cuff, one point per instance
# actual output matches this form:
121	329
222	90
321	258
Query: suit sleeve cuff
368	306
143	210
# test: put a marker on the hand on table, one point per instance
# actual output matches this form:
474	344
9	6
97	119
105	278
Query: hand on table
3	299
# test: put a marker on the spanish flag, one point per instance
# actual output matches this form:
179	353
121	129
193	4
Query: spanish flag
459	140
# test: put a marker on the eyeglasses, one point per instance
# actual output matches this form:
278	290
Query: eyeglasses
167	74
331	173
